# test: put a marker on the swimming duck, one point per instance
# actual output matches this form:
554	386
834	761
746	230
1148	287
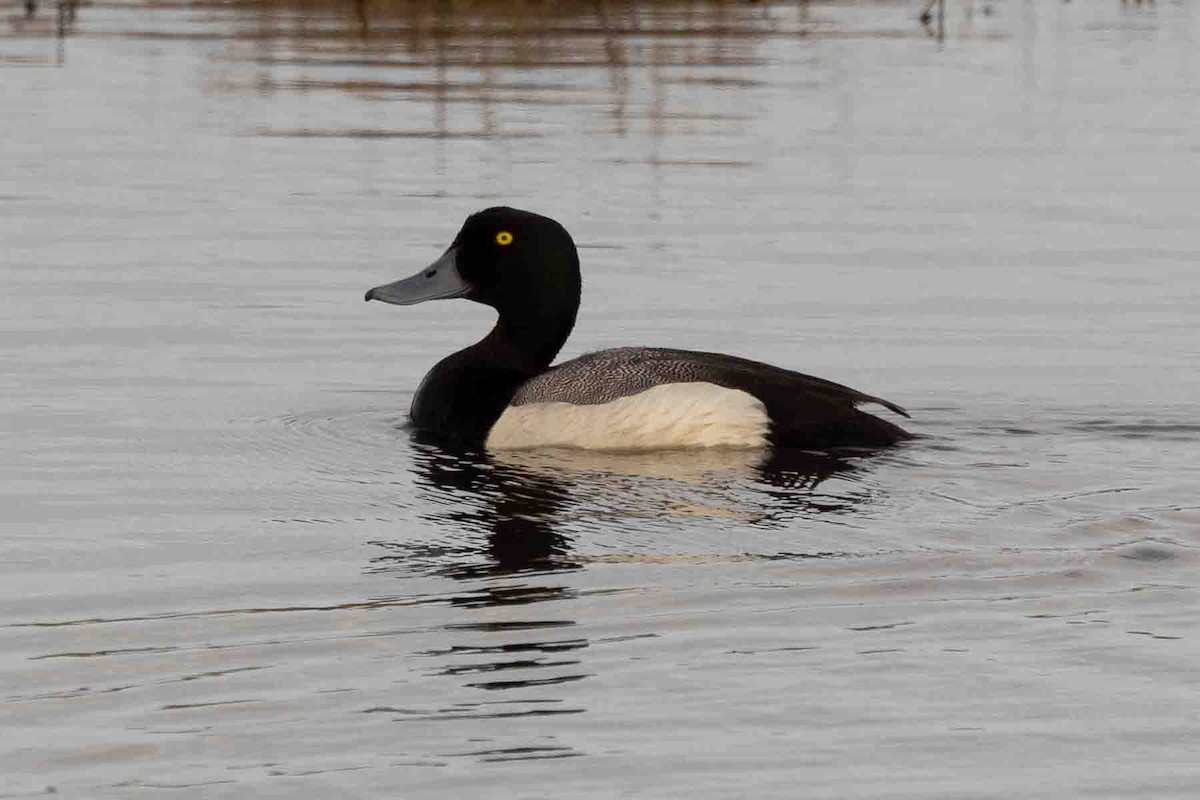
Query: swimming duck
502	392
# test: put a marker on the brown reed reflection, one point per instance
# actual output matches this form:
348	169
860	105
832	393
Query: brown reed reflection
492	55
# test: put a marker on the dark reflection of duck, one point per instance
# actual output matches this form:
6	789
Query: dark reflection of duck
515	509
523	502
511	513
502	393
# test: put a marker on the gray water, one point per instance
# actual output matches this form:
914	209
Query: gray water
228	571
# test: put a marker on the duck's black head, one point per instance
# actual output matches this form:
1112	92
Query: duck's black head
522	264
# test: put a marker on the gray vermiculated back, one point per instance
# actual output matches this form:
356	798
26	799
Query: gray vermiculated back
607	375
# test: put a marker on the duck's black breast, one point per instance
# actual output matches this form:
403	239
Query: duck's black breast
803	411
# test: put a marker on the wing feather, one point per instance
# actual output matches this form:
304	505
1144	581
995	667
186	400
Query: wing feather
608	375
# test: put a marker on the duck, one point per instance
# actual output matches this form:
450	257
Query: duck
502	393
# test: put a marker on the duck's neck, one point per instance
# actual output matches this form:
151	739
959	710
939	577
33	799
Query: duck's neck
465	393
528	342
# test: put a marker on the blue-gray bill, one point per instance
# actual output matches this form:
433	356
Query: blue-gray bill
440	280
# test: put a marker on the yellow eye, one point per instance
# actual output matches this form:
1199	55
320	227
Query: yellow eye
504	238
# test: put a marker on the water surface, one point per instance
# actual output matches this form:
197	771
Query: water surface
230	571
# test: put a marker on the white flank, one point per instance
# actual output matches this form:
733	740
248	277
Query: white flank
673	415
